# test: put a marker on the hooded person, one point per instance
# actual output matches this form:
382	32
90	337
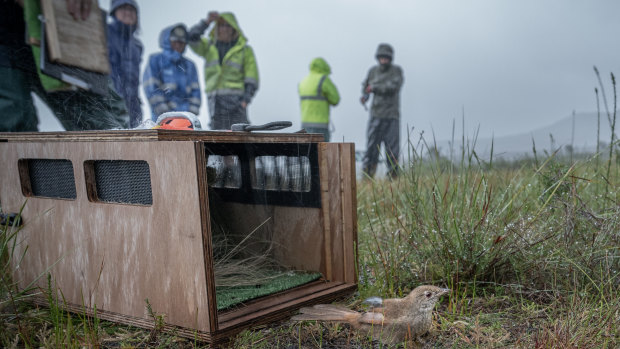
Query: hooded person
20	75
231	74
316	93
170	80
125	53
383	82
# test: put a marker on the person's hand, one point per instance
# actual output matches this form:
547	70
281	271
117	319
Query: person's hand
244	104
368	89
212	16
79	9
363	100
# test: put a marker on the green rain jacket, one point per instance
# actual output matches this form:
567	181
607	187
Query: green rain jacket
238	65
317	92
32	10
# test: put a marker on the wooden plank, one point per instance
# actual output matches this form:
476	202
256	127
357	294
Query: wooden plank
325	210
53	45
349	210
290	229
276	298
205	225
42	301
335	209
24	177
158	135
80	43
109	255
282	309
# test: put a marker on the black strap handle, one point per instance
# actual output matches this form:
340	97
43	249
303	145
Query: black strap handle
270	126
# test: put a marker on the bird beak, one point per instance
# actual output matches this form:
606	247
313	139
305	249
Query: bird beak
444	291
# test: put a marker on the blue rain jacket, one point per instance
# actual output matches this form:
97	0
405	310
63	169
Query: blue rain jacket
170	80
125	53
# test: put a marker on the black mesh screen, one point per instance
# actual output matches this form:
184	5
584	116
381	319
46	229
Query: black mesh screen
123	181
52	178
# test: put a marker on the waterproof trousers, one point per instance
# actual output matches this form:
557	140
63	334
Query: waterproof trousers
84	110
17	112
225	111
386	131
315	129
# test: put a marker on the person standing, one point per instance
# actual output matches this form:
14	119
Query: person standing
76	109
383	82
316	93
231	73
170	80
125	53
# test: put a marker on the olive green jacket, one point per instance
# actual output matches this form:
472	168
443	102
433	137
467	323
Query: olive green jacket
385	82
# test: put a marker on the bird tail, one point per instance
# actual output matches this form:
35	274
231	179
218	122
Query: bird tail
327	312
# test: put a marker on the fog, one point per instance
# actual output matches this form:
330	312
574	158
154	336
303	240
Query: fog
507	66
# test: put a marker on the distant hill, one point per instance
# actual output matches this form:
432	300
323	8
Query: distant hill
561	130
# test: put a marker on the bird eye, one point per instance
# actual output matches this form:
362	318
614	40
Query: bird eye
428	294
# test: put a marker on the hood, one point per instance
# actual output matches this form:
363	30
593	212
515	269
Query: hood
385	50
128	30
319	65
114	4
232	21
164	36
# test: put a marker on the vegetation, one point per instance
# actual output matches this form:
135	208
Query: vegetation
530	250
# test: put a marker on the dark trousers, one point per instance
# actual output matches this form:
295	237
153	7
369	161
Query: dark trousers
84	110
17	112
321	130
386	131
75	109
225	111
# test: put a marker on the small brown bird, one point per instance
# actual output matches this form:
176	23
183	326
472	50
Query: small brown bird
391	321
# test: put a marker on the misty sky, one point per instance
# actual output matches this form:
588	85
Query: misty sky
512	66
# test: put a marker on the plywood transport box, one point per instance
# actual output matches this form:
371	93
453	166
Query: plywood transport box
111	250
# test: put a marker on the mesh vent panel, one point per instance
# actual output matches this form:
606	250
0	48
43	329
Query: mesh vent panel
123	181
52	178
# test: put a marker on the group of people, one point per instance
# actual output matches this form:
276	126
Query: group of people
170	80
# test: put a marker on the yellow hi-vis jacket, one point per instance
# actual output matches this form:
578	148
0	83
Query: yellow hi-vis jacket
238	65
317	92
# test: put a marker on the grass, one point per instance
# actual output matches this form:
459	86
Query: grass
531	250
532	255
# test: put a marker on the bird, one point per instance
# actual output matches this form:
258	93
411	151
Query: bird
390	321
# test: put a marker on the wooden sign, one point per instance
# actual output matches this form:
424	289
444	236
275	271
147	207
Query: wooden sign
76	43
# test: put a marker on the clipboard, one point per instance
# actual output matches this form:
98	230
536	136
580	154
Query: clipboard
91	75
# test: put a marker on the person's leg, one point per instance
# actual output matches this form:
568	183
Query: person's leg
84	110
391	139
227	111
322	130
17	111
373	137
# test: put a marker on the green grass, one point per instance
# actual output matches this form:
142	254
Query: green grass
531	252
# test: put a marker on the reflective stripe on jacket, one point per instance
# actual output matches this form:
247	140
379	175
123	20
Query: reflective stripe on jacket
317	92
170	80
238	66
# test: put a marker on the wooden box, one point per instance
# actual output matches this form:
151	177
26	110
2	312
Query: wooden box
117	217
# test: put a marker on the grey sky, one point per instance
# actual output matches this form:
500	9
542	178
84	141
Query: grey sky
513	66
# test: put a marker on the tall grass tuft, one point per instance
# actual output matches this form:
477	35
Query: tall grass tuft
533	226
